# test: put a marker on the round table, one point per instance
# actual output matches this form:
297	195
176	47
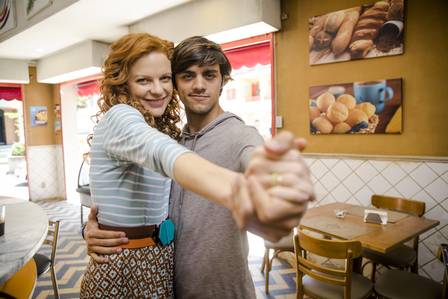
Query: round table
26	226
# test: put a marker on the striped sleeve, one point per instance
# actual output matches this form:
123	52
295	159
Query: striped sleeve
128	137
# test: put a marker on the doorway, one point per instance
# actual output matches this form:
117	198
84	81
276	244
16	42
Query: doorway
78	105
2	128
250	94
13	167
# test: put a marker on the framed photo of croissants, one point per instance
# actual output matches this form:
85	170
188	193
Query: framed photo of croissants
367	31
367	107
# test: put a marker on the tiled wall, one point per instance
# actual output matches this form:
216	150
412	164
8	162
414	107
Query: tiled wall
354	180
45	172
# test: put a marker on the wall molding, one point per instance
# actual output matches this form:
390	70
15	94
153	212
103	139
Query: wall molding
45	146
377	157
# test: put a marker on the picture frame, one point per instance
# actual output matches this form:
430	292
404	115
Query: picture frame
34	7
8	16
39	116
360	107
366	31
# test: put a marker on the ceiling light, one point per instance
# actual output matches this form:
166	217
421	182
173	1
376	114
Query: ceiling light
241	32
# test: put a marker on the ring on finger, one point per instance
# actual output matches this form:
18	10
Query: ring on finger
276	179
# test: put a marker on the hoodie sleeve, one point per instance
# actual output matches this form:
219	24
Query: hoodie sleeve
250	139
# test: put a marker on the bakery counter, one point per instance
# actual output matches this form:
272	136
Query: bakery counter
26	226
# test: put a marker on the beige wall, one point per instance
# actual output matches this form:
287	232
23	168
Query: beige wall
38	94
423	67
14	70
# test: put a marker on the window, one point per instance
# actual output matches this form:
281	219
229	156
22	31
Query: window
250	94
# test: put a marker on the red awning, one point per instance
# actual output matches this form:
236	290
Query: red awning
249	56
10	93
88	88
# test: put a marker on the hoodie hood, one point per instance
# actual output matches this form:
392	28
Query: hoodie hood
186	135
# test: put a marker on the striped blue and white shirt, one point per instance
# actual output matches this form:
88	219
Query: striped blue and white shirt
130	170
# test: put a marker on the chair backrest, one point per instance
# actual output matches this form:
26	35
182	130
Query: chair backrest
409	206
83	174
52	237
443	257
336	249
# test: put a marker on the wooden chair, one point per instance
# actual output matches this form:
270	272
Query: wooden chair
45	263
320	281
284	245
402	257
396	284
22	284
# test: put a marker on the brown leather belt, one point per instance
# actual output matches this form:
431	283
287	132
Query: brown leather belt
139	243
138	237
138	232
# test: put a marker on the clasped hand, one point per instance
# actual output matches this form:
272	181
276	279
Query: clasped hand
274	193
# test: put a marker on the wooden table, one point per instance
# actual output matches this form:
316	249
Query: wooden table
382	238
26	227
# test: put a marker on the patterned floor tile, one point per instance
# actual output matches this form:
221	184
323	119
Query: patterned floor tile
71	260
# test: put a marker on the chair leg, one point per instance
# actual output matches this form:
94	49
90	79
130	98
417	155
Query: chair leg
263	263
54	282
267	268
81	216
372	278
357	265
414	267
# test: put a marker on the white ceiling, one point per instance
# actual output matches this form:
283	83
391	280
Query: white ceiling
101	20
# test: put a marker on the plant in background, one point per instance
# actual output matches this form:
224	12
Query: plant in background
18	149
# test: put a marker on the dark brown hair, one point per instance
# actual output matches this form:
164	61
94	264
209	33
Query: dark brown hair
198	50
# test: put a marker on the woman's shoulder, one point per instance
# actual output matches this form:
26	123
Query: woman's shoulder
122	107
121	111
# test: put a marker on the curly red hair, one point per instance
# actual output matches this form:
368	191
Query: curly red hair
114	88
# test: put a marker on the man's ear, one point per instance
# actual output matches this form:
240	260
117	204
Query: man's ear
224	81
222	86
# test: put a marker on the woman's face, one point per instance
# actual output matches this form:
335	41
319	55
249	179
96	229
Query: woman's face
150	82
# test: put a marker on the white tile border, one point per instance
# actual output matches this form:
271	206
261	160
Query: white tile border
429	159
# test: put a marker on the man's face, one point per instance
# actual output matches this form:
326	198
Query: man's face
199	88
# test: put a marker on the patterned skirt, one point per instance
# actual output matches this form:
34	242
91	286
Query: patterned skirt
134	273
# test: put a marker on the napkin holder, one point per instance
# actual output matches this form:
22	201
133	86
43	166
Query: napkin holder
374	216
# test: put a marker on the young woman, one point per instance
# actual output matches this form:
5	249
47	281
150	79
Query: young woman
134	156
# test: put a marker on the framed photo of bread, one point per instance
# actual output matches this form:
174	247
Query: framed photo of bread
366	31
367	107
39	116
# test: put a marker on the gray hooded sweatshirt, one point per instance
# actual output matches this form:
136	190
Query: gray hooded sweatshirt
210	251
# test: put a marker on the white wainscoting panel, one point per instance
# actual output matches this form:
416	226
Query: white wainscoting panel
355	180
45	172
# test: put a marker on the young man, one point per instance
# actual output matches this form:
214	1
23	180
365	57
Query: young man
210	251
